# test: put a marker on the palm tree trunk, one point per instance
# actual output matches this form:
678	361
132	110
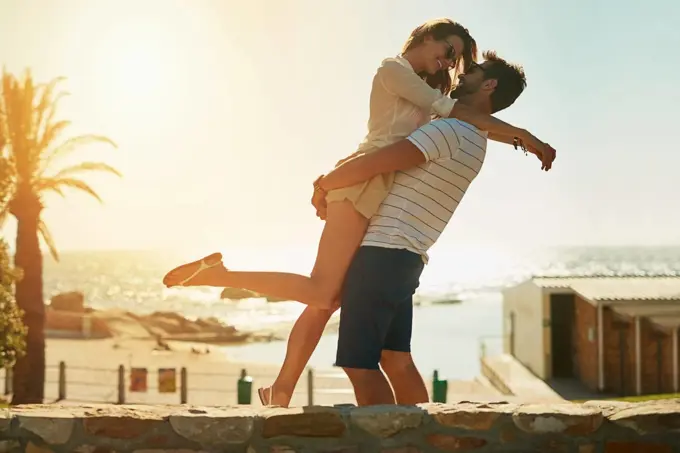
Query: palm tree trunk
29	371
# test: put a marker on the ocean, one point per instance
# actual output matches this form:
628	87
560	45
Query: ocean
446	333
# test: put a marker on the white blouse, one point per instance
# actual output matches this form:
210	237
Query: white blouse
401	101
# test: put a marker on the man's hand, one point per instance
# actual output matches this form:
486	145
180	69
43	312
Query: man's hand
544	152
548	157
319	200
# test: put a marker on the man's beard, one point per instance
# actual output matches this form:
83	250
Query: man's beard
459	91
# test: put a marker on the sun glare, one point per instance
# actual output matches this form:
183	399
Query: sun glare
134	61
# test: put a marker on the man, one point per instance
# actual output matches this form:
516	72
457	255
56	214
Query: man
434	166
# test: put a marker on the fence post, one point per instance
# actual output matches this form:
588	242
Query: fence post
183	386
121	384
62	381
310	387
8	380
244	388
439	388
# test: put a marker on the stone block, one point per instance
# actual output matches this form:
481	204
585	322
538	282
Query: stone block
471	416
570	419
636	447
386	421
448	442
281	449
303	422
33	448
649	417
52	426
124	422
213	427
408	449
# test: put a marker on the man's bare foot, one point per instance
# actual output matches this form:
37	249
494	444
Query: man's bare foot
279	399
185	275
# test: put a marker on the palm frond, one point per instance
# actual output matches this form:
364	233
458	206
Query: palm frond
46	103
56	185
51	132
4	213
18	98
50	187
87	166
71	144
49	241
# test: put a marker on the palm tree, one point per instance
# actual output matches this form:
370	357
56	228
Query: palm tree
27	118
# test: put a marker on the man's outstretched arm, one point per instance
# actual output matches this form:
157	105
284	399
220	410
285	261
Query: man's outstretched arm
401	155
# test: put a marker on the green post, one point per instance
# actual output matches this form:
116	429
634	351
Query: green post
439	388
244	388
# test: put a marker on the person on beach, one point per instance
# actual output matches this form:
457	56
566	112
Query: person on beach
407	91
434	167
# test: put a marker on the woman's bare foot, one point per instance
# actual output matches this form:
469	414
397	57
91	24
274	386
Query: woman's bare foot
185	275
279	399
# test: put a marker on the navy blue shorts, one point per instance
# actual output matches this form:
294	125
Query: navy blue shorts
377	305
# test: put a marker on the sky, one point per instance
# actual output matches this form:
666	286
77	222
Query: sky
225	112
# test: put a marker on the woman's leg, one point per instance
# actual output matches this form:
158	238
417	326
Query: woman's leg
340	239
302	341
309	327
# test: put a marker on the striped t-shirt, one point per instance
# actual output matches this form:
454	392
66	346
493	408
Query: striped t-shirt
423	198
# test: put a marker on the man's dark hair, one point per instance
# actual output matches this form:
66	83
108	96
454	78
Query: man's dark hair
511	80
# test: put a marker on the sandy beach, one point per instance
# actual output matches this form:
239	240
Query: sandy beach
92	375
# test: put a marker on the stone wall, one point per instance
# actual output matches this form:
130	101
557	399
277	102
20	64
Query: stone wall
594	427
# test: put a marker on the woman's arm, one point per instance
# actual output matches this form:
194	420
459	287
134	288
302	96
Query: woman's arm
498	130
403	82
500	138
486	122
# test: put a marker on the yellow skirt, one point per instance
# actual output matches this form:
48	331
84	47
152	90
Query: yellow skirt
366	196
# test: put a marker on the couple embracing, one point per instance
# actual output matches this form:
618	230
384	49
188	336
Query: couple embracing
384	206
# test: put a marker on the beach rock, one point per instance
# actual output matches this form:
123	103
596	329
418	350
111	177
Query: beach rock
169	323
74	323
212	325
73	301
238	294
116	322
276	299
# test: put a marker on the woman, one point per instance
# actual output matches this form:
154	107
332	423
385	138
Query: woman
407	91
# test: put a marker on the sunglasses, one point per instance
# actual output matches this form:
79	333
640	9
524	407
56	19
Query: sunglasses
473	66
450	51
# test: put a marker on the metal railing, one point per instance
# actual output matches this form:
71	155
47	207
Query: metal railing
114	385
491	345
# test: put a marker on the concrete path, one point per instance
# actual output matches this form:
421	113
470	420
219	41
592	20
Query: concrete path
512	378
